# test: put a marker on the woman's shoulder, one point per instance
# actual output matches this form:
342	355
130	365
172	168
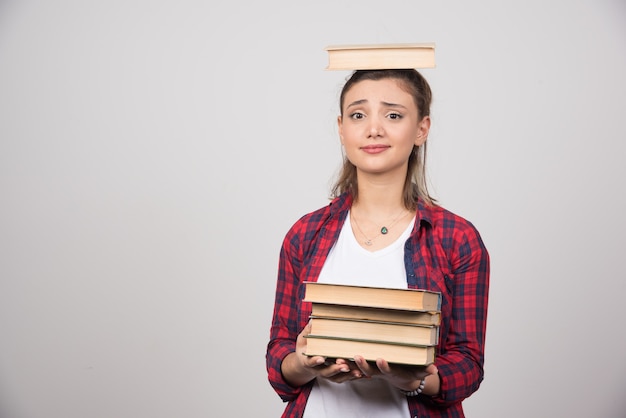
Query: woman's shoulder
313	221
310	221
457	236
444	222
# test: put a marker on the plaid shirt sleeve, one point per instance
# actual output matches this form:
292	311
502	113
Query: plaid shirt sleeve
285	325
290	314
465	293
302	257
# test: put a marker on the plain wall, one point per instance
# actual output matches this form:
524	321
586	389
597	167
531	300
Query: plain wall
153	154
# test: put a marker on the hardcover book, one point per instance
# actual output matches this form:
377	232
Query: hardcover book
384	332
374	297
414	355
383	56
376	314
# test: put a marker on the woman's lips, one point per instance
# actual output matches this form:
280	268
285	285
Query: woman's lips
375	149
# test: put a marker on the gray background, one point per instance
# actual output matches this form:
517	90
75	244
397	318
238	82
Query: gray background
153	154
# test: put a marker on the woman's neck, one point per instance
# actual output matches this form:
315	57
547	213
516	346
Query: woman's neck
378	215
379	201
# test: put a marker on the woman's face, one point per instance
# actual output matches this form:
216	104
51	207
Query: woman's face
379	127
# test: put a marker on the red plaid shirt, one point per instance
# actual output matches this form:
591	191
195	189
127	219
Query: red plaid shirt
444	253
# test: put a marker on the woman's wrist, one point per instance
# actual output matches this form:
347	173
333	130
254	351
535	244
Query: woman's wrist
293	373
416	391
432	385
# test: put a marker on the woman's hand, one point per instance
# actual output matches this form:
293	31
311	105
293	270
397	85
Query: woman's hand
403	377
342	370
299	369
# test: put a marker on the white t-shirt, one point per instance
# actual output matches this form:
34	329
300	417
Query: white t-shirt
349	263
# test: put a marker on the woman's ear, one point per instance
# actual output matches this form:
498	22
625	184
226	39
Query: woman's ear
340	128
423	128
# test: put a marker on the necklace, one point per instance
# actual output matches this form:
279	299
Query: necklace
383	231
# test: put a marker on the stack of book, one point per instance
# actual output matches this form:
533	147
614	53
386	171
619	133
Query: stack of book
398	325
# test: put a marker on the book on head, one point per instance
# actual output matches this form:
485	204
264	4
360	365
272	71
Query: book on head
374	297
381	56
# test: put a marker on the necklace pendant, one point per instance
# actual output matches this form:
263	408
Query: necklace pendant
368	242
384	230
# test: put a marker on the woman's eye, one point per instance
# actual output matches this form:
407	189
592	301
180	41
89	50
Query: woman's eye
395	116
357	115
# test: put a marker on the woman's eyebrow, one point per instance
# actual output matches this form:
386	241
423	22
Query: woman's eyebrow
386	104
357	103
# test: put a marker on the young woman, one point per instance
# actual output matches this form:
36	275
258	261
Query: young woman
382	228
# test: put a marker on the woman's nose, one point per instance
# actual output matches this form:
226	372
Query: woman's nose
376	129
